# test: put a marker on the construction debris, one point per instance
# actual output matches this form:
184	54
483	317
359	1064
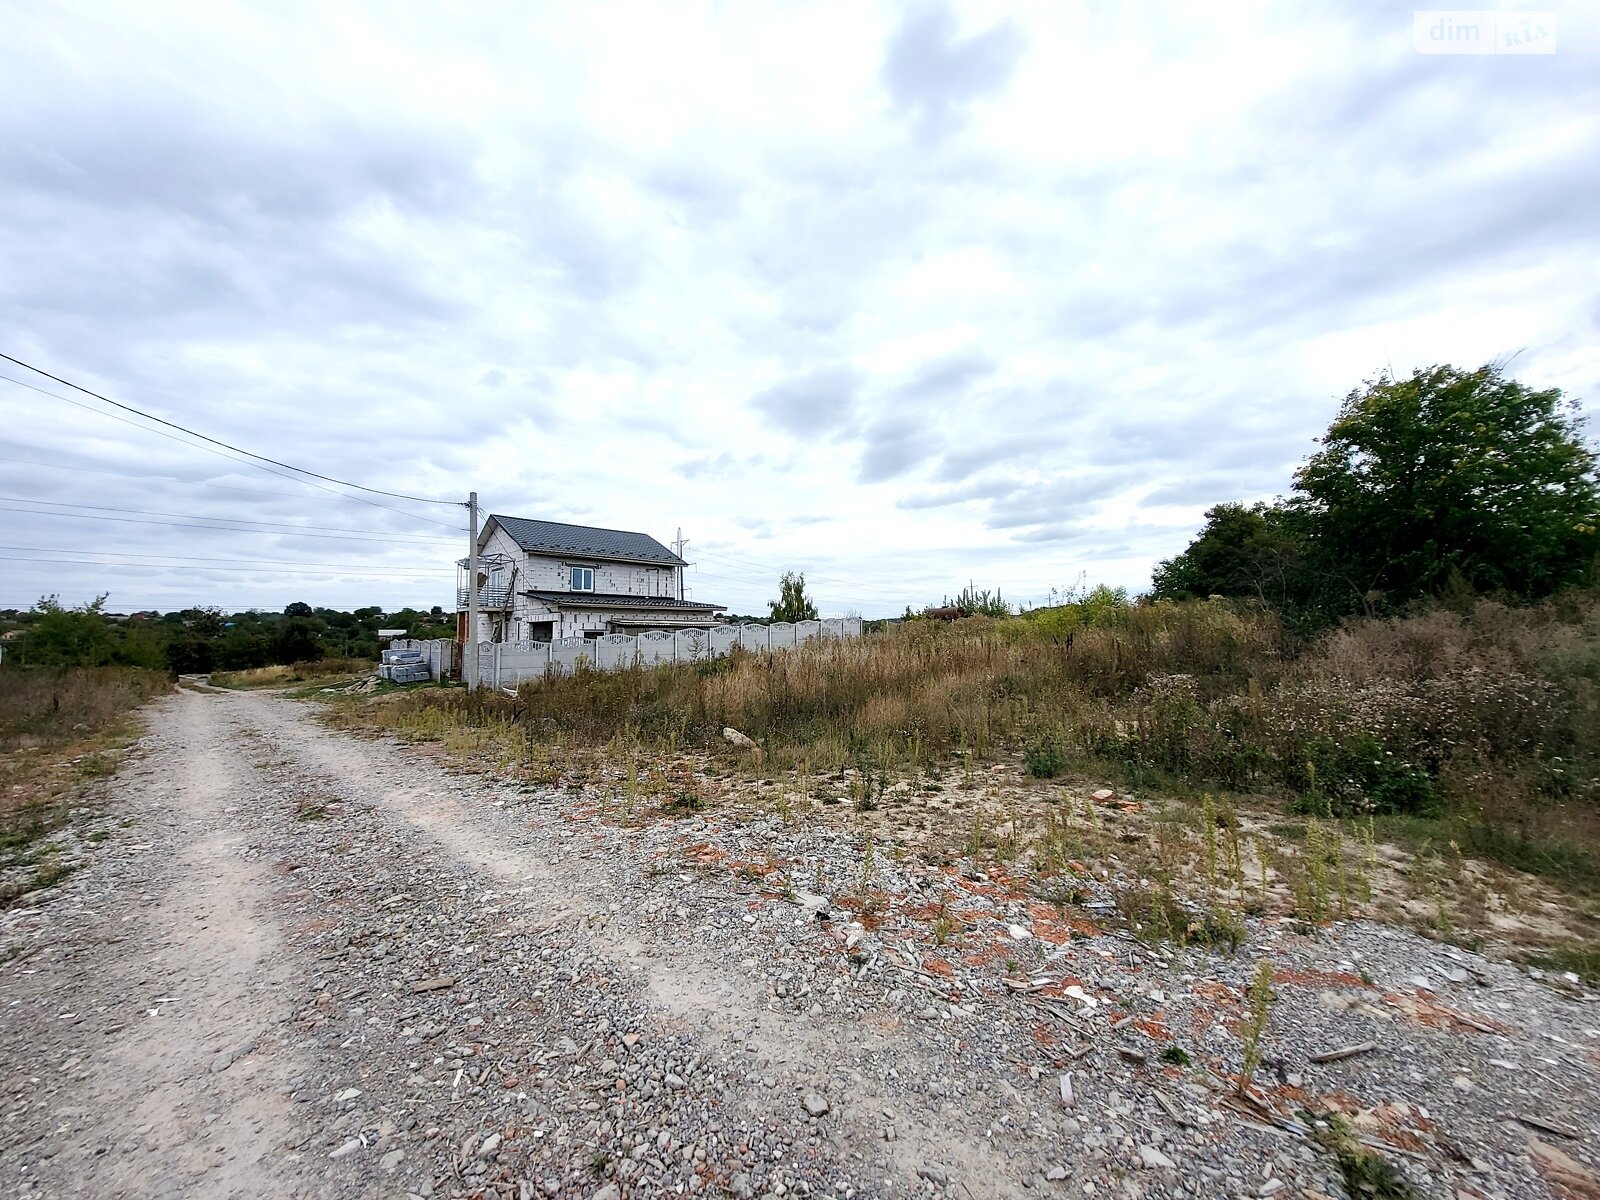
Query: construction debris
1329	1056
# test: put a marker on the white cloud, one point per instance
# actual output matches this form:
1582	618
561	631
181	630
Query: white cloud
900	297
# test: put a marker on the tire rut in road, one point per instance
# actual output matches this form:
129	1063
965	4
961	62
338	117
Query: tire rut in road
540	868
172	1069
527	1062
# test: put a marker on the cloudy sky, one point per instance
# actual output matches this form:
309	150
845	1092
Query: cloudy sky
901	296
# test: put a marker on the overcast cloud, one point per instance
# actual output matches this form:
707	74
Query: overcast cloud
897	295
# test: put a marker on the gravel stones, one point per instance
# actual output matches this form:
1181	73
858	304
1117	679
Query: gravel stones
1155	1160
631	1008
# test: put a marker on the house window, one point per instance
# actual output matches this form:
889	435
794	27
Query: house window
583	579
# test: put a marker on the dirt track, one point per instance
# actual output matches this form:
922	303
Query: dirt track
317	965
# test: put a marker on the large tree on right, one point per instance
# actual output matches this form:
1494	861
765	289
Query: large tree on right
1450	473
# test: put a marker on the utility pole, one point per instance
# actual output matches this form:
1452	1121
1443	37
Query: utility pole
677	548
469	649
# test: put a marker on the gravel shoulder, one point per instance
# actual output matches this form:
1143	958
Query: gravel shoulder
315	964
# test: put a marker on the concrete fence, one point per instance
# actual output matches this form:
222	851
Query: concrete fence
506	664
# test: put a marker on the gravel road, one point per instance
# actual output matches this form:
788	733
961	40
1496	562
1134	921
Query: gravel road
313	964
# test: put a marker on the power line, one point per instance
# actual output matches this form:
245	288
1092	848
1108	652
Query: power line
353	573
205	483
377	533
181	560
226	446
209	450
256	604
74	516
190	559
773	567
887	590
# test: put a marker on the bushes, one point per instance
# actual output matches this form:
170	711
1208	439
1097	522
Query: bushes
1398	716
1045	753
47	708
1488	715
300	672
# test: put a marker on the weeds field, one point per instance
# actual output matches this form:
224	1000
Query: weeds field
1439	769
319	671
60	732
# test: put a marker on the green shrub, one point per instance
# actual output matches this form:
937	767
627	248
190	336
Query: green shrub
1045	753
1485	714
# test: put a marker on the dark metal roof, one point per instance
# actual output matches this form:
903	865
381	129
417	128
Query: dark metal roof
620	600
555	537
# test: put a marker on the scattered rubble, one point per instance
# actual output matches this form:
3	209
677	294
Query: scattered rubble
456	986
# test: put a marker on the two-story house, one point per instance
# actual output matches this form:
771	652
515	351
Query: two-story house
542	580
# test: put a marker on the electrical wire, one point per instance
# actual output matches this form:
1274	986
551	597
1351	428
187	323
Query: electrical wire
186	559
220	487
226	446
231	458
885	591
76	516
768	569
376	533
354	573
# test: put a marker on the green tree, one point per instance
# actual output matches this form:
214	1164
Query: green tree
206	622
69	637
190	653
1253	552
298	640
792	603
1450	472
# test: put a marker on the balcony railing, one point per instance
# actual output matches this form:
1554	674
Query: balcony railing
489	598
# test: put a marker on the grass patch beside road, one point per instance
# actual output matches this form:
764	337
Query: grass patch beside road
1441	762
60	733
321	671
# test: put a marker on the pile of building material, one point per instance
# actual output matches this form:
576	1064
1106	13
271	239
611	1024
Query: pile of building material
404	666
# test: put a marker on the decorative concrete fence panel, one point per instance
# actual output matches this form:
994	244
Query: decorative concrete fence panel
521	662
691	645
507	664
655	646
617	651
441	655
569	653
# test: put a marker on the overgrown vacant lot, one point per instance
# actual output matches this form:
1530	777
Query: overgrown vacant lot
60	733
1438	770
318	671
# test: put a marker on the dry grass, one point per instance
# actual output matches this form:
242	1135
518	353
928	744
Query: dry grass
320	671
1418	745
59	731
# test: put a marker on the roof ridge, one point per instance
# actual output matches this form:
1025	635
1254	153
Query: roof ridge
571	525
